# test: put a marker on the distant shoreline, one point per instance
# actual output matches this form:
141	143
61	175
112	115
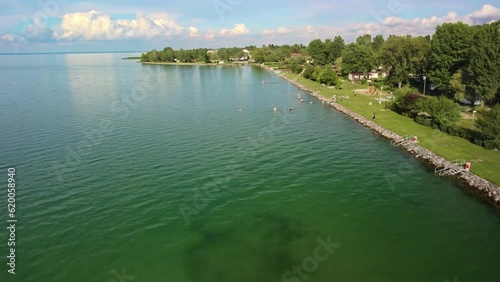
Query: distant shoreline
194	63
68	53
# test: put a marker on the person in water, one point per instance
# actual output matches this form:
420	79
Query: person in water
290	109
275	109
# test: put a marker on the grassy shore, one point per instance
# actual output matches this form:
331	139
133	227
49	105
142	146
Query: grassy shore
484	163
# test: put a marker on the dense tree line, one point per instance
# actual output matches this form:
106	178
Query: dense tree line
458	60
193	55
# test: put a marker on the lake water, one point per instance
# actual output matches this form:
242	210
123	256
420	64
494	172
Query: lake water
130	172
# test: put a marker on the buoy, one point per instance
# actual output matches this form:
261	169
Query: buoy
467	166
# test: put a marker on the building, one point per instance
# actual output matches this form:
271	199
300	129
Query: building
356	76
372	75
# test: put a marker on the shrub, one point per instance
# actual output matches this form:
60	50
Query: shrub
423	120
443	110
408	103
489	123
328	76
308	71
316	73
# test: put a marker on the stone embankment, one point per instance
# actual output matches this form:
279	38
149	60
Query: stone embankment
469	179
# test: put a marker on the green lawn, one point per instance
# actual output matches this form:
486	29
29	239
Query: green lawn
485	163
465	123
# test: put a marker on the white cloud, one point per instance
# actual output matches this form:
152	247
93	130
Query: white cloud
416	27
7	38
97	25
240	28
280	30
487	13
193	31
94	25
210	35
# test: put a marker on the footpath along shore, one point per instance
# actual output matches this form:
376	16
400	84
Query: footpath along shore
469	179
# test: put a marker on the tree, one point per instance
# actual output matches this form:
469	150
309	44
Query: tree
338	46
308	71
154	56
317	50
394	57
489	124
316	73
443	111
365	39
328	76
338	64
402	56
334	48
483	72
378	40
329	50
408	101
456	86
420	48
450	47
357	58
167	54
295	63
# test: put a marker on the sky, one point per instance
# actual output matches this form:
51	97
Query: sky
31	26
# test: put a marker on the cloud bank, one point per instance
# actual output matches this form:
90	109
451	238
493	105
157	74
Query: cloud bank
98	26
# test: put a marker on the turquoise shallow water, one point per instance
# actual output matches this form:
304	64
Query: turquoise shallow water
129	172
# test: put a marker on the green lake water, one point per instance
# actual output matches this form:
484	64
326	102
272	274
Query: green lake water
130	172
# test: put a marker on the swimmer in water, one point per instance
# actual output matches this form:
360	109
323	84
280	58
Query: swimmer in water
290	109
241	110
275	109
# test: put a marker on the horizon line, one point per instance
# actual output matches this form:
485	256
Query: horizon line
70	52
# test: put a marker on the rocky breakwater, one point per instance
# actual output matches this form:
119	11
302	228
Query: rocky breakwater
469	179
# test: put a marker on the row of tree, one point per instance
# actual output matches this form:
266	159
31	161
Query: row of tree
193	55
458	61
